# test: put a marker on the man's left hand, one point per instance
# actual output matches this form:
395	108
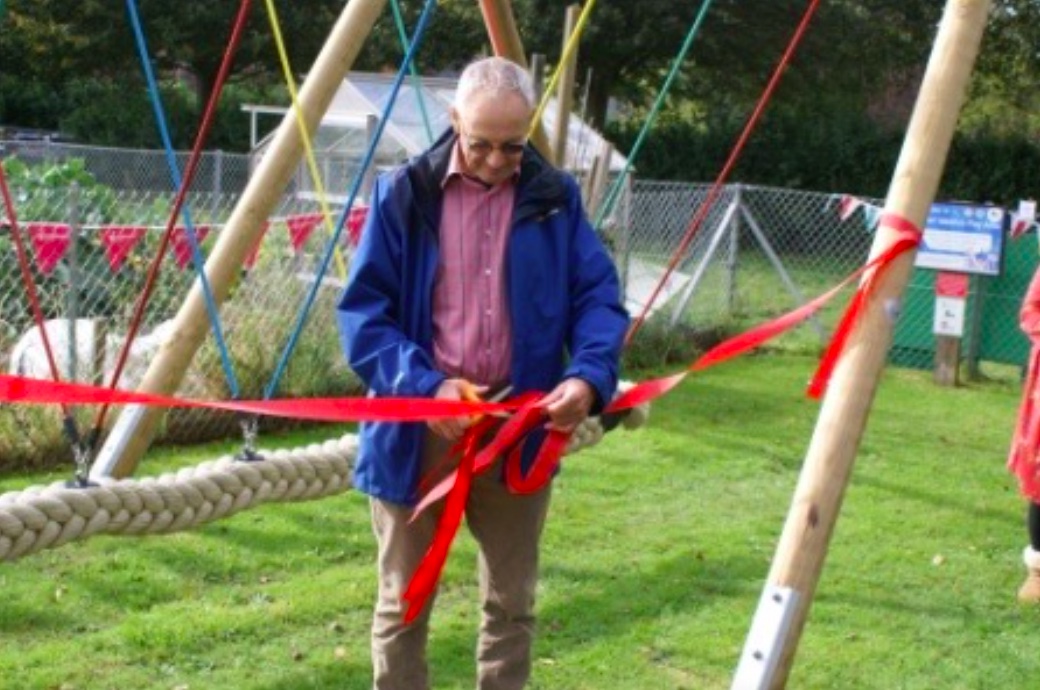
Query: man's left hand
568	404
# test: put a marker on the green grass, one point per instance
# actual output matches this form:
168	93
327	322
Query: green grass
657	548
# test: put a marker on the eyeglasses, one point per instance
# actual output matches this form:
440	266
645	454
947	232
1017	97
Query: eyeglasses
482	148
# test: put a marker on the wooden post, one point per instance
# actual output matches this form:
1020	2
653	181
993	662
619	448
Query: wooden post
132	434
773	638
97	366
947	360
505	41
600	174
565	90
537	70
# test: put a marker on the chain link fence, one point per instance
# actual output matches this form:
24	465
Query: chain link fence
759	252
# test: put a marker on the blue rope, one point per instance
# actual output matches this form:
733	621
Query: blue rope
420	29
175	175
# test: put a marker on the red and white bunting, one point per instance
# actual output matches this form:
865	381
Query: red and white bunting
356	221
252	256
1020	226
49	241
847	205
118	241
301	227
182	245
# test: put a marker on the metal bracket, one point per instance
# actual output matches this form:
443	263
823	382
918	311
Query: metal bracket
765	640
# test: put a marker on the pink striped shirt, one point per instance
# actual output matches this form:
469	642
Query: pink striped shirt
472	331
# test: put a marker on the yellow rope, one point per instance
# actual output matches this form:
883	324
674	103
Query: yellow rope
312	163
568	50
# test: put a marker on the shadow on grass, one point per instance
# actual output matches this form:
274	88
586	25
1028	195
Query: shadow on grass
1001	517
327	676
612	604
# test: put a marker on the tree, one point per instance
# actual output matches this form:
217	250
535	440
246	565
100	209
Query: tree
1004	96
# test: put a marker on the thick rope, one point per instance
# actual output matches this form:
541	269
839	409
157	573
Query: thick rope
45	517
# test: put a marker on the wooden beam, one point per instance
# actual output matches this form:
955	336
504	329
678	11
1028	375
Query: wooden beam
565	90
505	41
828	464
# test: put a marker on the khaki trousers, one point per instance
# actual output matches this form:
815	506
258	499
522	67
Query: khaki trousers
507	529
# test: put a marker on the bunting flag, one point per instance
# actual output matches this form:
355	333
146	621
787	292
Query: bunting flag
118	241
301	227
1020	226
254	254
848	205
182	245
49	240
356	221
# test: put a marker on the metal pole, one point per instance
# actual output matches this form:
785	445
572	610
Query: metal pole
731	255
769	652
72	295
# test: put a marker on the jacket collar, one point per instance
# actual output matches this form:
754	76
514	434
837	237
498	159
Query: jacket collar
540	187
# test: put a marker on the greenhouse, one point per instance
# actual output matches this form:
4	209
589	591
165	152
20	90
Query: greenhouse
419	115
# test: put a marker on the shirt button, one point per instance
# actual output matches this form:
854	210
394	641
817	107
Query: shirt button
487	271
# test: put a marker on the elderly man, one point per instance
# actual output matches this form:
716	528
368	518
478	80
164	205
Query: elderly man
477	270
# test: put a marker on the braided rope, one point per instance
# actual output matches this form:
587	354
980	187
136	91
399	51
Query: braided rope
45	517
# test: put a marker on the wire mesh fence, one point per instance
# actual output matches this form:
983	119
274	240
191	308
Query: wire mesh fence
763	251
91	230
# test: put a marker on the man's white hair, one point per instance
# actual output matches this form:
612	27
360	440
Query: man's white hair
494	76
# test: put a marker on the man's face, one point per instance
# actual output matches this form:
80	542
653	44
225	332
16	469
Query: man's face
492	132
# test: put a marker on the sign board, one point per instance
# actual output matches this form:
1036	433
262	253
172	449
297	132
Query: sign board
949	316
963	237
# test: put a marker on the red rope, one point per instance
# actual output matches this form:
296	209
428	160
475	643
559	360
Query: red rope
30	284
734	155
189	176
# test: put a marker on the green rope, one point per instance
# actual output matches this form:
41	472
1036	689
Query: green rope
612	197
416	80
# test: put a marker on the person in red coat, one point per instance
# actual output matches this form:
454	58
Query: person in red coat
1024	458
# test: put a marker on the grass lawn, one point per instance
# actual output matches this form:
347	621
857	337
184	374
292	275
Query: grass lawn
656	552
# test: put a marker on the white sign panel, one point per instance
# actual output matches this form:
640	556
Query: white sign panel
949	316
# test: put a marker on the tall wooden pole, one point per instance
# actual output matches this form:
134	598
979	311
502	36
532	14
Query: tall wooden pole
505	41
565	90
133	432
772	641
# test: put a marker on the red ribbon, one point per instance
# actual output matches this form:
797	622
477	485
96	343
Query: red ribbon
508	441
23	389
908	237
428	574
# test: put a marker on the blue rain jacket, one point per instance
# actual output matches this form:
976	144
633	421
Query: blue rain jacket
564	296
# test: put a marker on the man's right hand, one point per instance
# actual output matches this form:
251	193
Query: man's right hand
452	428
